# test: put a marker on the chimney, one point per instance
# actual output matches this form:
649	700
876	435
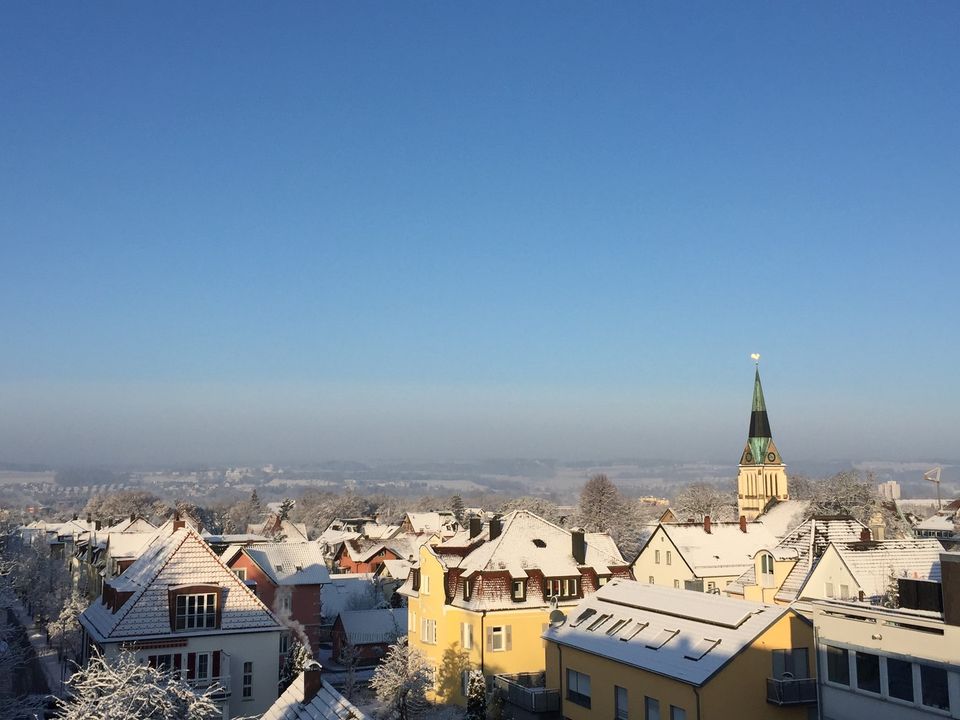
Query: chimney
579	546
178	524
865	535
496	525
89	518
706	524
96	525
743	523
476	526
311	681
133	517
950	587
75	516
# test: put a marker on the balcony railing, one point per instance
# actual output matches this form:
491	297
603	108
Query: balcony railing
527	691
790	691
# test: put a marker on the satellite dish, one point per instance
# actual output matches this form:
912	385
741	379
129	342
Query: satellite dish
313	665
556	616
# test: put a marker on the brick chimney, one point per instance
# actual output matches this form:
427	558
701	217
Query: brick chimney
311	681
476	526
865	535
133	517
496	525
579	546
178	524
743	523
706	524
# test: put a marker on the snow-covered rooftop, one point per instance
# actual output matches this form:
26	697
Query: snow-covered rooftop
287	563
725	550
182	558
681	634
364	627
873	563
344	590
327	704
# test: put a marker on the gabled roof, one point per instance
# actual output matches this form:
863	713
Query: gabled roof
431	522
373	627
783	516
179	559
128	544
132	525
941	521
273	526
327	704
528	542
286	563
805	543
873	563
685	635
725	550
346	589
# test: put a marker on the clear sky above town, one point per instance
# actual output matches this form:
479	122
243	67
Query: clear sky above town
245	231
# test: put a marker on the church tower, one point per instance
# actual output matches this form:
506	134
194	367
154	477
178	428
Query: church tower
763	476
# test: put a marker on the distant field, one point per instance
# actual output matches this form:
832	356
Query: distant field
14	477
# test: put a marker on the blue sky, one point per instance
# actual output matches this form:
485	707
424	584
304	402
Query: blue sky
231	231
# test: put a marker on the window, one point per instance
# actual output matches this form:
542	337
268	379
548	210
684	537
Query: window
578	688
240	573
519	590
650	580
564	588
828	589
465	683
711	587
677	713
247	680
498	638
428	631
838	665
900	679
656	556
466	636
844	592
621	710
651	709
284	643
669	558
792	662
933	687
285	603
467	589
196	611
676	584
164	663
868	672
766	564
601	581
202	671
425	584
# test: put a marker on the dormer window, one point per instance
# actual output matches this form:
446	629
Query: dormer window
196	611
519	590
562	588
467	589
195	607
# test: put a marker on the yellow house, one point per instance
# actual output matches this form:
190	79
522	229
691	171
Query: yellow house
704	556
633	650
482	599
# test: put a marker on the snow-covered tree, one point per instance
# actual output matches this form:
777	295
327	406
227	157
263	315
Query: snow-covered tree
891	594
349	658
124	689
296	659
65	630
400	682
601	504
538	506
476	696
456	504
121	504
701	499
285	507
846	493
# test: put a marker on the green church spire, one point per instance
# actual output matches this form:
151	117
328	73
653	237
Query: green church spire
760	448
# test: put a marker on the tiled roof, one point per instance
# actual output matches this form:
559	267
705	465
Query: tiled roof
290	563
725	550
344	590
374	626
182	558
681	634
528	542
128	544
327	704
431	522
872	563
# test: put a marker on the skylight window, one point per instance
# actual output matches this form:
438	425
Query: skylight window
617	626
279	568
634	631
701	648
539	543
662	638
585	615
599	621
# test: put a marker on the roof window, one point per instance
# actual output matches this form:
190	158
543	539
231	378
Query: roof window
617	626
599	621
539	543
634	631
662	638
585	615
701	648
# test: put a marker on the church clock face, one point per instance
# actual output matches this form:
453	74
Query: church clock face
771	457
748	457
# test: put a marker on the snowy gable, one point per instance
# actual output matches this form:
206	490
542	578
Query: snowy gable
727	549
144	593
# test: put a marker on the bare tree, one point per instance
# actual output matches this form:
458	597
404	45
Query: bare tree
701	499
601	504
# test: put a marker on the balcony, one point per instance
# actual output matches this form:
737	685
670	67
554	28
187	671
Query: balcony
789	691
527	693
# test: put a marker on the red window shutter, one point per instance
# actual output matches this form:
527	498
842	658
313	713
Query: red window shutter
191	666
216	663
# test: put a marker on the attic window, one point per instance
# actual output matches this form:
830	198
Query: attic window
701	648
585	615
299	568
634	631
539	543
661	639
599	621
617	626
279	568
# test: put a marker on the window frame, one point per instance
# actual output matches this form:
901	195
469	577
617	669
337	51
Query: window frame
498	631
621	710
246	685
209	614
520	585
582	682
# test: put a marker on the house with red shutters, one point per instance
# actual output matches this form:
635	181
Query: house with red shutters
179	607
288	578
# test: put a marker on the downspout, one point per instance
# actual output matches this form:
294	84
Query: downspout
697	693
483	641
